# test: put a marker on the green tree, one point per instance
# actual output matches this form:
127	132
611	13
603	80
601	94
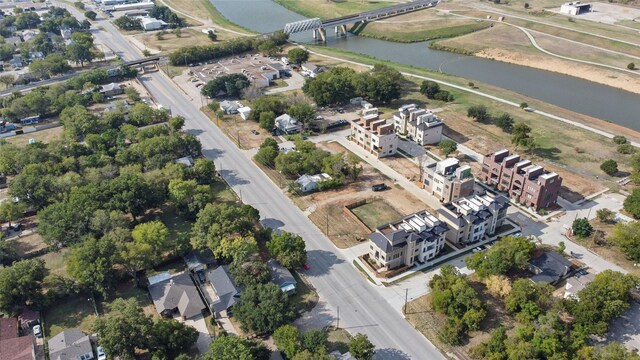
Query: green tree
528	297
509	253
582	228
176	123
521	136
78	122
218	221
204	171
81	50
12	210
237	249
21	284
33	185
170	338
287	339
91	15
237	348
626	149
91	264
124	328
626	236
303	112
505	122
154	233
632	203
361	348
128	23
298	56
429	88
250	271
561	247
602	300
212	35
605	215
188	196
610	167
631	66
479	113
263	308
267	120
315	340
288	249
269	48
231	85
447	146
619	139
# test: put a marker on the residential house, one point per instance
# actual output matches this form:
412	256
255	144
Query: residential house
16	62
28	35
149	24
417	237
36	55
288	124
186	160
177	294
12	346
70	344
244	112
473	218
339	356
65	32
576	283
527	184
111	89
307	183
13	40
549	268
282	277
120	105
375	135
447	180
312	69
419	125
230	107
226	292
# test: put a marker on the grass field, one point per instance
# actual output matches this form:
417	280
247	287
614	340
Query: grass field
43	136
338	339
330	9
305	298
204	10
343	231
55	261
170	42
376	213
69	313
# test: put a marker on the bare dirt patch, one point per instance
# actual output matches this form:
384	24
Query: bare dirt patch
29	244
239	130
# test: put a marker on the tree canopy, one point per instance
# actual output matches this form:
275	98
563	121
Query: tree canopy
263	308
288	249
509	253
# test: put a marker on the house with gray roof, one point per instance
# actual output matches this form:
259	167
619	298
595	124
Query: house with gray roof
418	237
576	283
225	291
111	89
177	294
549	268
288	124
72	344
282	277
473	218
307	183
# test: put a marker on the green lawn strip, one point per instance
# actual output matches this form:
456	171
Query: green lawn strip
426	34
376	213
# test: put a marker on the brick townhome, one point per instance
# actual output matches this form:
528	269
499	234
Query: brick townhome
526	183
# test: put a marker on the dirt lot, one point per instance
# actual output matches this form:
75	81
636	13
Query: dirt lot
404	166
28	244
326	208
44	136
239	130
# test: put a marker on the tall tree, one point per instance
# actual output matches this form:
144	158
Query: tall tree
287	339
170	338
626	236
124	329
21	284
12	210
91	264
263	308
237	348
288	249
361	348
298	56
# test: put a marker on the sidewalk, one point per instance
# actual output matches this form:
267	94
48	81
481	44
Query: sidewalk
416	191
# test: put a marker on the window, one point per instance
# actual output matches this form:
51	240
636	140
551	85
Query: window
530	188
529	196
382	257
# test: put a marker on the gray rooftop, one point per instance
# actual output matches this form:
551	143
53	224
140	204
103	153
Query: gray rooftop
227	291
178	292
280	275
552	267
70	345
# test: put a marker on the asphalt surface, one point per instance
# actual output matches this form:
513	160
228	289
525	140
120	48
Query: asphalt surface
339	284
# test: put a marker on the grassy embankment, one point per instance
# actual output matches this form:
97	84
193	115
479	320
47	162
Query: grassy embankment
204	8
330	9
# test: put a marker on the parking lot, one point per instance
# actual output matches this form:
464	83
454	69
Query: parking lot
261	70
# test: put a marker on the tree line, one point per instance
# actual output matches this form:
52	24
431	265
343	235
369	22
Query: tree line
195	54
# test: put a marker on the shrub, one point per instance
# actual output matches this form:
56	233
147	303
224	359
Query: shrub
610	167
632	203
626	149
631	66
582	228
526	5
619	139
471	84
478	112
523	105
447	146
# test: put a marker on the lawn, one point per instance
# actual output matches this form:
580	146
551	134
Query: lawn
376	213
27	244
204	10
305	298
44	136
331	9
55	261
338	340
170	42
69	313
127	290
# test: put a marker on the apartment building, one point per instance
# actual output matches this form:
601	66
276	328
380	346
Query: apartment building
416	237
419	125
472	218
448	180
375	135
528	184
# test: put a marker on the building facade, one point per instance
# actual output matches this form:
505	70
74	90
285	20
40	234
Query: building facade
375	135
472	218
527	184
419	125
417	237
447	180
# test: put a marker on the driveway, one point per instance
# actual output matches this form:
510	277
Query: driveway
204	338
626	329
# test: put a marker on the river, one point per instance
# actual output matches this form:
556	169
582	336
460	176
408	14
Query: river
582	96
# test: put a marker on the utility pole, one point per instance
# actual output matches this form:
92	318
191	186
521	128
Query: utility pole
238	138
338	320
327	232
406	297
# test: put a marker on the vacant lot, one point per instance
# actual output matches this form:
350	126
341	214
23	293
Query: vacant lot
44	136
76	312
239	130
170	42
376	213
420	26
28	244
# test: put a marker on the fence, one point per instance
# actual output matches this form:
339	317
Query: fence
347	210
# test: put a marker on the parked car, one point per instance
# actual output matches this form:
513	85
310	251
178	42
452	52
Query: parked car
477	249
199	85
379	187
255	132
17	227
37	330
101	354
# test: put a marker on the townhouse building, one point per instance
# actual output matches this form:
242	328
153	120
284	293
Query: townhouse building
419	125
375	135
448	180
418	237
472	218
527	184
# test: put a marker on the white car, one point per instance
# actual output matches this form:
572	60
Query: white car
101	354
37	330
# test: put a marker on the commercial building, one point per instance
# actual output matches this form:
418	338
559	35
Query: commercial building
447	180
375	135
417	237
150	24
527	184
472	218
256	68
419	125
575	8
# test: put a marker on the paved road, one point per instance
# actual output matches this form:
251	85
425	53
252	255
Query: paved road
338	283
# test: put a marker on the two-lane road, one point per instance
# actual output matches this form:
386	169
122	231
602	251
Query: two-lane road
338	283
